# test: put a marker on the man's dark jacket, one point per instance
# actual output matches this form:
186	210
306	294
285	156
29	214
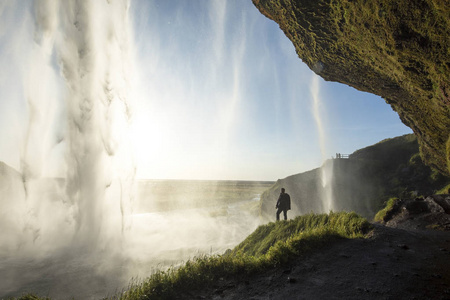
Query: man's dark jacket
284	202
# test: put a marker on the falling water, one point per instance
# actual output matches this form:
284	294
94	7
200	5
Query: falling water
89	44
67	211
327	167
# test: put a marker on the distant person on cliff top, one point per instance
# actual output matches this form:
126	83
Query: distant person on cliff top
283	204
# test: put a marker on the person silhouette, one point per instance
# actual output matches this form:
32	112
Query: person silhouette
283	204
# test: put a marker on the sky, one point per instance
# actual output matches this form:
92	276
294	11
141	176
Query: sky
218	93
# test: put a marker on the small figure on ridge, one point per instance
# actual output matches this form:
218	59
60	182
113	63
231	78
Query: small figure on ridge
283	204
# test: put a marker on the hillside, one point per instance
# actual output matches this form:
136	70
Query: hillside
395	49
361	183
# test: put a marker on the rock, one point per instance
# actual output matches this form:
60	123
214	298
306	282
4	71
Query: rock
443	201
416	206
218	291
403	246
291	279
433	206
428	213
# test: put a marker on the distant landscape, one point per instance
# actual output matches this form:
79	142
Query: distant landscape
165	195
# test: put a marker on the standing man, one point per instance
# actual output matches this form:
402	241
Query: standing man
283	204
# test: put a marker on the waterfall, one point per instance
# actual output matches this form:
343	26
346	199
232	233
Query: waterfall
90	44
327	166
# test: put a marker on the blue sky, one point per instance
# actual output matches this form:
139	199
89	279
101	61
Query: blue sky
219	93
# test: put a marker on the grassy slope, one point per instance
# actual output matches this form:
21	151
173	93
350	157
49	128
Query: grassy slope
269	246
383	213
396	49
390	168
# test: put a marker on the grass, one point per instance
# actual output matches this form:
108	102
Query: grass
269	246
264	237
444	190
383	213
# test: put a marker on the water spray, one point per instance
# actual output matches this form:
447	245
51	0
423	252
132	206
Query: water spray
91	43
327	166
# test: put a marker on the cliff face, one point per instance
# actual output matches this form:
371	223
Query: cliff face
399	50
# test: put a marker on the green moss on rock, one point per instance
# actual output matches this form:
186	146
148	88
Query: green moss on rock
399	50
386	213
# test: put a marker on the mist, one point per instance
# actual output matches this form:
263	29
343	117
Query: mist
69	202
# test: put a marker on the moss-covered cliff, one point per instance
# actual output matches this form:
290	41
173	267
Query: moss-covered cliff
399	50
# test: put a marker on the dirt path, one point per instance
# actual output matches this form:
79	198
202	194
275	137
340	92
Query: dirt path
392	264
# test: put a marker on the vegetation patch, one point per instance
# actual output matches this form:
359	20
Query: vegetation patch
444	190
388	211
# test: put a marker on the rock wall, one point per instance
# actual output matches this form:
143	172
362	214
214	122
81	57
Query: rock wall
398	50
